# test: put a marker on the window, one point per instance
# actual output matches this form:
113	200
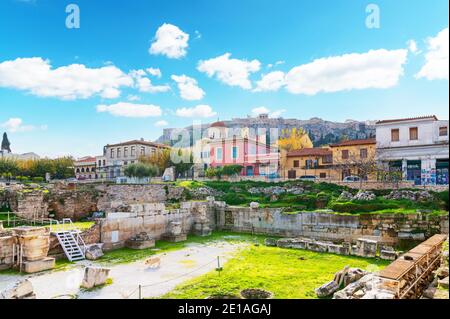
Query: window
125	152
308	163
219	153
345	154
296	163
443	131
327	159
87	169
234	152
112	153
104	162
363	153
99	163
78	170
323	175
413	133
395	135
119	152
133	151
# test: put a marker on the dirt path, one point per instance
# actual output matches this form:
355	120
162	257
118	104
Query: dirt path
176	267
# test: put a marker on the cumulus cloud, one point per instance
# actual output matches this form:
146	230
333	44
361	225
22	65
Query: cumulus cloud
144	84
125	109
170	41
378	69
232	72
161	123
272	81
264	110
196	111
188	87
155	72
75	81
15	125
436	65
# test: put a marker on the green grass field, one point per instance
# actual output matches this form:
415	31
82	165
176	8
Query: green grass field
287	273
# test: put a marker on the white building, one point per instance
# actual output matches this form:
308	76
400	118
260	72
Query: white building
417	146
118	156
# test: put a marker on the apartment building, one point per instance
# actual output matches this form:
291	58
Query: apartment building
418	147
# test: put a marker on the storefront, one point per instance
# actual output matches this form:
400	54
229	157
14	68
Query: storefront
442	172
414	172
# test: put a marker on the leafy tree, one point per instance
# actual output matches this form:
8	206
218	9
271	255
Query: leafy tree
294	139
230	170
140	170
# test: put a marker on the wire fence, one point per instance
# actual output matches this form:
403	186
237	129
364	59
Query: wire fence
139	291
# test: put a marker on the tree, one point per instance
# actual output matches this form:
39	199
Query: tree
361	167
140	170
160	159
294	139
6	145
230	170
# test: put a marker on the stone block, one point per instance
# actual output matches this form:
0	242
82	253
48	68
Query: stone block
388	254
34	266
174	238
20	290
94	251
327	289
140	244
94	276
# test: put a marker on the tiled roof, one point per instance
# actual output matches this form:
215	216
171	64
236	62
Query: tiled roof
355	142
317	151
86	159
140	142
427	117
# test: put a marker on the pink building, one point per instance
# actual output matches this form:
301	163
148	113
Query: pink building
256	158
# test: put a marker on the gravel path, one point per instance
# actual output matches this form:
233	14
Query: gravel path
176	267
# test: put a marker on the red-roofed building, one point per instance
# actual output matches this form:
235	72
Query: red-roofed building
85	168
315	162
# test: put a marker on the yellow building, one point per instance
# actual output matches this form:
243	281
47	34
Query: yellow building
353	158
315	162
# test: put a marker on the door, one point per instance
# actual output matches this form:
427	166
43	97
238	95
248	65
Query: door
413	172
249	170
292	174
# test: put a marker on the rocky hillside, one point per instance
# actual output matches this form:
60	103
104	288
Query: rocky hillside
321	132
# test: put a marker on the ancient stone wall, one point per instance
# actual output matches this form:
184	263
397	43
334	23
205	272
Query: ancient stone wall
74	204
328	226
90	236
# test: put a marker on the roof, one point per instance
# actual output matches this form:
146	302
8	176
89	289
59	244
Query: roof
317	151
87	159
218	124
427	117
355	142
140	142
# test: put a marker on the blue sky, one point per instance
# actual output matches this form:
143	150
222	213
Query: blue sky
276	61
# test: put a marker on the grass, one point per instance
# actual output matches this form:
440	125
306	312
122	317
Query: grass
80	225
108	282
4	217
288	273
126	255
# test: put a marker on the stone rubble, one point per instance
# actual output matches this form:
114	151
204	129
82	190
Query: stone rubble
94	251
365	196
20	290
410	195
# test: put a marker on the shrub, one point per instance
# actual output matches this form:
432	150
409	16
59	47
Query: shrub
354	207
234	199
38	179
443	196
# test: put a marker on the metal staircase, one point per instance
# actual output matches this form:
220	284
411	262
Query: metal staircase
69	238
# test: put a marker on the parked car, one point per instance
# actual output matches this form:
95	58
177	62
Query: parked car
307	178
352	179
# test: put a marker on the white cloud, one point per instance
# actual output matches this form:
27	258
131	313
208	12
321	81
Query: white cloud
264	110
272	81
412	47
232	72
155	72
132	97
271	65
15	125
188	87
378	69
170	41
161	123
197	111
125	109
144	84
436	66
75	81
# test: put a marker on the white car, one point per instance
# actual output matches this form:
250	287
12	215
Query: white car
311	178
352	179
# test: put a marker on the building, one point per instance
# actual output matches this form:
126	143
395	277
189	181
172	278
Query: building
118	156
85	168
256	158
316	162
101	167
418	147
353	158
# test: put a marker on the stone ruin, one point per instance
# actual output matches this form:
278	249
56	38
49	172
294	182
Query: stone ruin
342	278
26	248
140	241
22	289
364	247
175	233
